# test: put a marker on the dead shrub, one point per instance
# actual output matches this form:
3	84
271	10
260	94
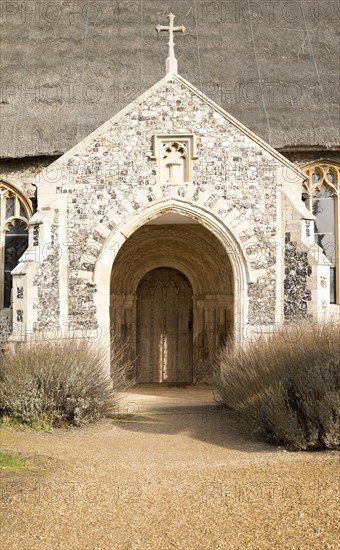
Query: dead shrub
286	386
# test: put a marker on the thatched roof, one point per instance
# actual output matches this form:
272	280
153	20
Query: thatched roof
65	71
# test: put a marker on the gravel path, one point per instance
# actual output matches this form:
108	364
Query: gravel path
176	473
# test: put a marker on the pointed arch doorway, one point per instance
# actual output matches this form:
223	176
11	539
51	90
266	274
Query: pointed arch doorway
200	269
164	328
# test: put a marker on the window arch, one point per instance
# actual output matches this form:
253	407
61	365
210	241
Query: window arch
15	212
321	195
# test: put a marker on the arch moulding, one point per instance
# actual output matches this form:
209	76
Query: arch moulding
241	270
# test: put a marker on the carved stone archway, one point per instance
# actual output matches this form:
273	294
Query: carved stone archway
197	254
241	273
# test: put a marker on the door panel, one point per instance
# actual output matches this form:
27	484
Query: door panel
164	328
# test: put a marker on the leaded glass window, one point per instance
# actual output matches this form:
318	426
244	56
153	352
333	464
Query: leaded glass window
321	196
15	212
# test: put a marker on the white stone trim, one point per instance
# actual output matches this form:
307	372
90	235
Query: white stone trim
63	265
242	273
280	267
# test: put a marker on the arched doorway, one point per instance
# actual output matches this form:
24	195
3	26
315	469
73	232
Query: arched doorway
164	328
127	255
155	263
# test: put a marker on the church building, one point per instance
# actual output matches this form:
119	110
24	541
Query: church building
172	228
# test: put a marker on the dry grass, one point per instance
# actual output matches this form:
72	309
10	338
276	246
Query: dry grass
57	383
287	386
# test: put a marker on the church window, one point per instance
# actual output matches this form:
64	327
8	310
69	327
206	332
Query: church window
15	212
321	196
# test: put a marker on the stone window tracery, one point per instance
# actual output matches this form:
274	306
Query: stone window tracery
174	155
15	212
175	158
321	196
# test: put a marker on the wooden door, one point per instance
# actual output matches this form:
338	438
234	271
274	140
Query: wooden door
164	328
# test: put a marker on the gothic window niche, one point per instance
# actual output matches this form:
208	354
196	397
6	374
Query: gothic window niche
15	213
321	196
174	154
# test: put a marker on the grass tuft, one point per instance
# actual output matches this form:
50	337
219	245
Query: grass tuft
11	462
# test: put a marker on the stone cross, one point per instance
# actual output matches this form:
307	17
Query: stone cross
171	62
